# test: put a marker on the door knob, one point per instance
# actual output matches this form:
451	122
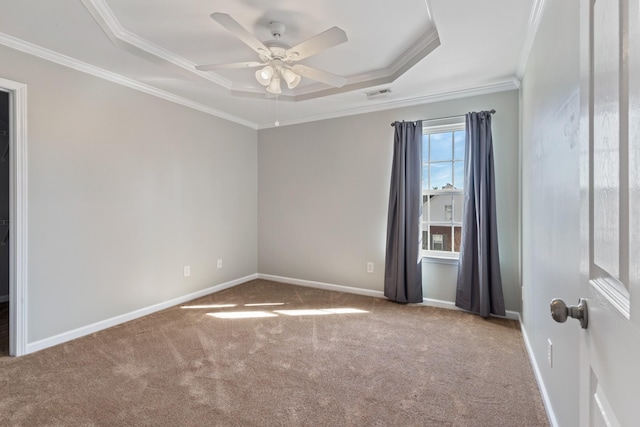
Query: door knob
560	311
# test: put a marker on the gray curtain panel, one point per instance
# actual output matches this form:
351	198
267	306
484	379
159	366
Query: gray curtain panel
403	263
479	286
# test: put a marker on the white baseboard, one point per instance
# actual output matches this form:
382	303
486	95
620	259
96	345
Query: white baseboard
536	371
514	315
4	298
104	324
322	285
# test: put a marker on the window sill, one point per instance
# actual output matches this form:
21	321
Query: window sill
435	259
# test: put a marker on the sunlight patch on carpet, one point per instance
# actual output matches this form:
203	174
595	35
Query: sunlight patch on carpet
274	313
209	306
242	314
264	304
320	312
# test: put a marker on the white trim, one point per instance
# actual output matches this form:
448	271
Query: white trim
83	67
449	124
107	323
499	86
520	201
430	302
4	298
18	253
366	292
511	315
535	17
135	44
434	259
322	285
538	374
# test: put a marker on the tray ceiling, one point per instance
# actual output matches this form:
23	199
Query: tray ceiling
419	49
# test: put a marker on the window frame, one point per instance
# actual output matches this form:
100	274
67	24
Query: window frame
452	125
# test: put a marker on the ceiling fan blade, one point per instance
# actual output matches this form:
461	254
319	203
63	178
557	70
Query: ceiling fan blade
231	66
329	38
240	32
319	75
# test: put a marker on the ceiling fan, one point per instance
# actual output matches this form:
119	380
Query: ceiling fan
278	60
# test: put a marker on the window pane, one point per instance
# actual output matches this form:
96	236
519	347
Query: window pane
441	175
441	148
458	138
440	238
425	240
458	175
457	238
425	176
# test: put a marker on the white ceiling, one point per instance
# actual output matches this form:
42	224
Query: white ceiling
459	47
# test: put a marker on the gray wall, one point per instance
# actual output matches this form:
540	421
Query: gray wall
124	190
550	108
324	188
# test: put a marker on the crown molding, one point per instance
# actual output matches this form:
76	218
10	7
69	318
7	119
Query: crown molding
58	58
535	17
498	86
135	44
416	52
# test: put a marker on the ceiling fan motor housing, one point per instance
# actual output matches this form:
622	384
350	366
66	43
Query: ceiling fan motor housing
276	29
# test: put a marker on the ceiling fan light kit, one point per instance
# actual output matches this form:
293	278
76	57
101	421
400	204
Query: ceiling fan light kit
276	58
274	86
264	75
290	77
271	74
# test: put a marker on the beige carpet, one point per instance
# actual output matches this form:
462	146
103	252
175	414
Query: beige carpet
348	360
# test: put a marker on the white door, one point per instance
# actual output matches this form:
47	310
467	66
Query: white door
610	212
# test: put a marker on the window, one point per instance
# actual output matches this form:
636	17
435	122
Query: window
442	189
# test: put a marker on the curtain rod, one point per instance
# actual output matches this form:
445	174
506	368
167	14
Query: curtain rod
444	118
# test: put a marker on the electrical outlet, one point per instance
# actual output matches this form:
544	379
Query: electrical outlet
369	267
219	263
550	352
187	271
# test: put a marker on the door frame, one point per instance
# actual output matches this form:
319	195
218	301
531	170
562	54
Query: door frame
18	217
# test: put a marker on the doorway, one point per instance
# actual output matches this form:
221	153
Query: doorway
13	100
5	122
